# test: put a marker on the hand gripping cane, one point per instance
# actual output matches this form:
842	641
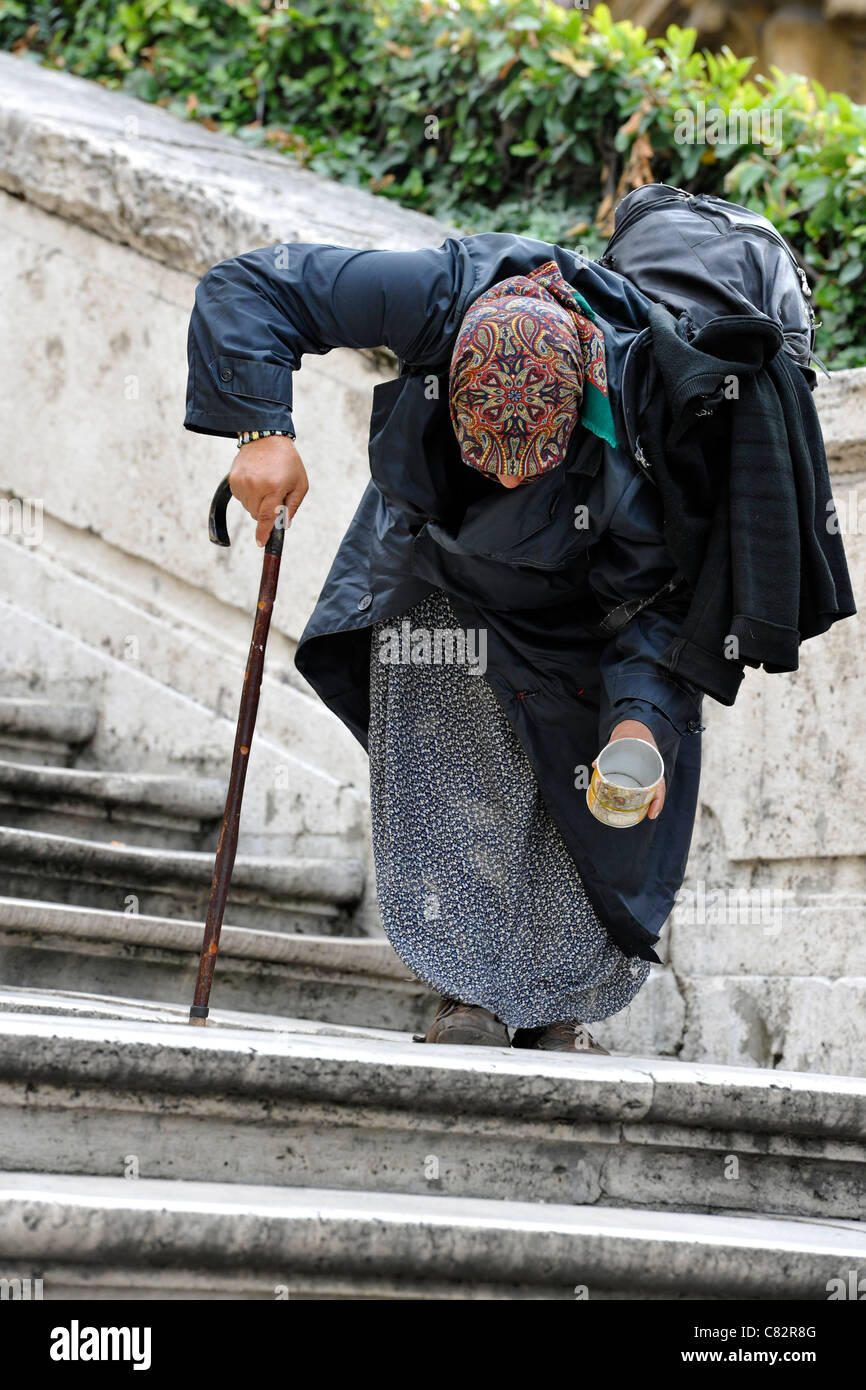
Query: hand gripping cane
228	841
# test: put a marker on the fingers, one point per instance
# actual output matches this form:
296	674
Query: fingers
295	497
266	516
271	505
657	802
267	475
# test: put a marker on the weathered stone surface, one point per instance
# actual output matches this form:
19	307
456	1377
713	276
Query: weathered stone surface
819	933
454	1080
197	798
288	895
344	955
160	638
785	768
372	1113
53	946
168	811
652	1025
71	1006
83	1282
352	980
779	973
802	1023
111	385
43	731
181	717
841	402
362	1237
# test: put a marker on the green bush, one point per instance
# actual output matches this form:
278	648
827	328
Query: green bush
489	114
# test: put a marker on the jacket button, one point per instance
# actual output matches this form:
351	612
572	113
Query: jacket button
226	374
364	602
692	726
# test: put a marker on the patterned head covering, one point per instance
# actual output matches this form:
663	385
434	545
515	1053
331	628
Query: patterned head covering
527	358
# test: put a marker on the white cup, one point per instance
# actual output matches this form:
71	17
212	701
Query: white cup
624	781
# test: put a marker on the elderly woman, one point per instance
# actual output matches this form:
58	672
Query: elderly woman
494	615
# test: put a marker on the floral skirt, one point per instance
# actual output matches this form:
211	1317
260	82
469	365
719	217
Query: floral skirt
477	890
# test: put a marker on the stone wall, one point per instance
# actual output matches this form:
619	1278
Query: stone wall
111	211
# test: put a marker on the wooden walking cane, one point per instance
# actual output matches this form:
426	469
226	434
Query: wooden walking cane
228	840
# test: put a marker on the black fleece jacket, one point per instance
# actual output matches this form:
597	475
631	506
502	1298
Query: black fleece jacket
734	442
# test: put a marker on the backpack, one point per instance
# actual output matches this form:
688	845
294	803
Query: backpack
702	257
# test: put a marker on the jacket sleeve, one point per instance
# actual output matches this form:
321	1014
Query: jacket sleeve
634	562
257	314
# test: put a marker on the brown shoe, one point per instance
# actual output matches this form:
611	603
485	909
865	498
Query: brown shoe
559	1037
466	1023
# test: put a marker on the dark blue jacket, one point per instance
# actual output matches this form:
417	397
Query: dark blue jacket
545	568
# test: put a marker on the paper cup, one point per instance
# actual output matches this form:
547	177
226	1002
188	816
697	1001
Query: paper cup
624	781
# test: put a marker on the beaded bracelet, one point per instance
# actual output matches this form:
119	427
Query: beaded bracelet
247	436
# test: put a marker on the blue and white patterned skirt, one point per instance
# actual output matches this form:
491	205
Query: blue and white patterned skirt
477	890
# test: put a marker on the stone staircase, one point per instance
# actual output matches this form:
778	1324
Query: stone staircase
146	1158
302	1144
44	731
116	955
136	842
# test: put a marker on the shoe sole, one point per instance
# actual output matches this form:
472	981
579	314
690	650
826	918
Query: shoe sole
471	1037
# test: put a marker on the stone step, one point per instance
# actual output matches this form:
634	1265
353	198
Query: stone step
44	731
178	701
52	946
163	811
357	981
131	1239
290	895
290	1105
69	1005
351	980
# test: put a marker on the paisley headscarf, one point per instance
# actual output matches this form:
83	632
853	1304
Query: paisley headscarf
528	363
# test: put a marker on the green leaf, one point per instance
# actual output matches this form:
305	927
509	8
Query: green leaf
525	147
814	190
